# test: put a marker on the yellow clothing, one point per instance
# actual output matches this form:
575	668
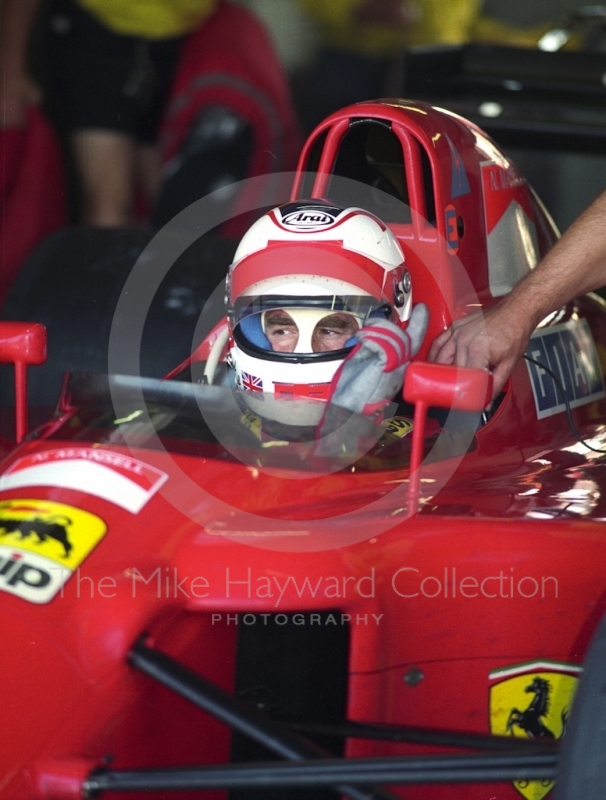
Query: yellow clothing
150	19
439	22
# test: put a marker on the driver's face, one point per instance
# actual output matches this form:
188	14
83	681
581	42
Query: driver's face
330	333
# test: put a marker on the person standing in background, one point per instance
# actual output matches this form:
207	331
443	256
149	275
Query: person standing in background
108	67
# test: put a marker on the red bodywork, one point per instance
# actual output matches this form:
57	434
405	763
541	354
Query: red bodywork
501	567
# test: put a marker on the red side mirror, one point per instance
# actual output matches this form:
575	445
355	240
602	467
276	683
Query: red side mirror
22	344
441	386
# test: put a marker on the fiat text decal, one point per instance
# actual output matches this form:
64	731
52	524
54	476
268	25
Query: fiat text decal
569	351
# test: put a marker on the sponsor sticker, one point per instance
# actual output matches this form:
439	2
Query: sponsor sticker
452	233
251	383
459	184
511	236
313	390
398	426
306	218
502	186
42	543
569	351
387	449
120	479
532	701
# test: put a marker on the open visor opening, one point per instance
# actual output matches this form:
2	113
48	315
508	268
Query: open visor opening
361	306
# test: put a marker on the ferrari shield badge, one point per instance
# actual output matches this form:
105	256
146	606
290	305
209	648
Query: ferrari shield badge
42	543
532	701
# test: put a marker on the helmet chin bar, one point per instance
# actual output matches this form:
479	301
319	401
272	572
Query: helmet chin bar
269	381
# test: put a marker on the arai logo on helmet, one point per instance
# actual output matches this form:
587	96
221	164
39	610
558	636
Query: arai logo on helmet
309	219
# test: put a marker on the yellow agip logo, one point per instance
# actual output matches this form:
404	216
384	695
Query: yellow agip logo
533	703
42	543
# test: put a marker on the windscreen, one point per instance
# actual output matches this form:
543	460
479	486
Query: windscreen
185	417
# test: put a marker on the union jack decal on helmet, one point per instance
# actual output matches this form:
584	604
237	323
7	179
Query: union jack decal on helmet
251	383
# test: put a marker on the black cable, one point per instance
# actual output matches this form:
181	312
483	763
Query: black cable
562	391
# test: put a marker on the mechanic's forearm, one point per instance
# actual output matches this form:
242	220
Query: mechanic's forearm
574	266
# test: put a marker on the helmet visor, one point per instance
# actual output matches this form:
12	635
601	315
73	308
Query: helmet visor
361	306
304	325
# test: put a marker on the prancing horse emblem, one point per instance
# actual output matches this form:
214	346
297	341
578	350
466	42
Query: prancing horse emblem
530	720
532	701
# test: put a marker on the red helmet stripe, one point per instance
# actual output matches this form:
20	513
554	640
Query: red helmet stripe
322	258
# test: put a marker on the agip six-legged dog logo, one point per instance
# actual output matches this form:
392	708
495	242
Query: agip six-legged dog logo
54	527
42	543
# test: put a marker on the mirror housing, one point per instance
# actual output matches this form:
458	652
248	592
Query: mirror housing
22	344
441	386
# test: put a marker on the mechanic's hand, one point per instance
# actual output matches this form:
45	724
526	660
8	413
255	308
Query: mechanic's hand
493	339
18	92
374	371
